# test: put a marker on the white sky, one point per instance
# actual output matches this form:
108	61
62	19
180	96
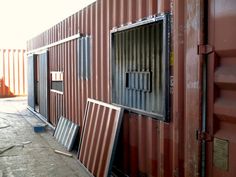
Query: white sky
23	19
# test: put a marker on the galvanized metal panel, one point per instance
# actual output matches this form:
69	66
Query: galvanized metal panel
31	81
140	67
13	72
99	137
66	132
84	57
43	84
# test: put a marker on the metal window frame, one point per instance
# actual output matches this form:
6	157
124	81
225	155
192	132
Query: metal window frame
165	19
54	90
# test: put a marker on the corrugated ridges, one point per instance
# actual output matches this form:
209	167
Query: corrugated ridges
96	21
66	133
13	72
99	137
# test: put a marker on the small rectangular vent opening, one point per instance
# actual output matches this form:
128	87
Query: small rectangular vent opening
57	82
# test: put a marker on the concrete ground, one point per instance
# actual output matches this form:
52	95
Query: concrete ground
36	159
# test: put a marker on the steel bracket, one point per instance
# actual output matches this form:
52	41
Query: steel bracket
203	136
204	49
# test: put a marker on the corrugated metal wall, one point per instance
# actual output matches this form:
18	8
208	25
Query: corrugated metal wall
221	84
146	145
56	108
13	72
96	20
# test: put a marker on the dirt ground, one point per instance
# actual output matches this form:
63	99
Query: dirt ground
32	154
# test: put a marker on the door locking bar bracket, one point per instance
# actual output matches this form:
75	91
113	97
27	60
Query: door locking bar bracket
204	49
203	136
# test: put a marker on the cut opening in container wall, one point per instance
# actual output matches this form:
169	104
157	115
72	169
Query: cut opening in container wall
57	82
140	67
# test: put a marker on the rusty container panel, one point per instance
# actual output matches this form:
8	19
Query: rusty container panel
62	58
56	100
221	152
13	72
147	147
178	91
96	21
193	86
142	150
56	109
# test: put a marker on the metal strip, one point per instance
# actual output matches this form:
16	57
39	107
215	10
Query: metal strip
40	117
140	23
54	44
56	91
103	104
166	44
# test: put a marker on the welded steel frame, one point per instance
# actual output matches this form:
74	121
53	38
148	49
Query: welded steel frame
116	136
165	19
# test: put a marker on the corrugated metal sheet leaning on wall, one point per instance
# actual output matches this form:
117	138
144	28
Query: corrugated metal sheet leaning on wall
13	76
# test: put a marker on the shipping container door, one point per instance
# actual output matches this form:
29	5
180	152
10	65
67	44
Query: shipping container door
43	84
221	151
31	81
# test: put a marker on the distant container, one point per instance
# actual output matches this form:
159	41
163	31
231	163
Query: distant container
13	76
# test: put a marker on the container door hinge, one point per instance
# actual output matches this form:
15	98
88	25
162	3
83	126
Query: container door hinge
203	136
204	49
